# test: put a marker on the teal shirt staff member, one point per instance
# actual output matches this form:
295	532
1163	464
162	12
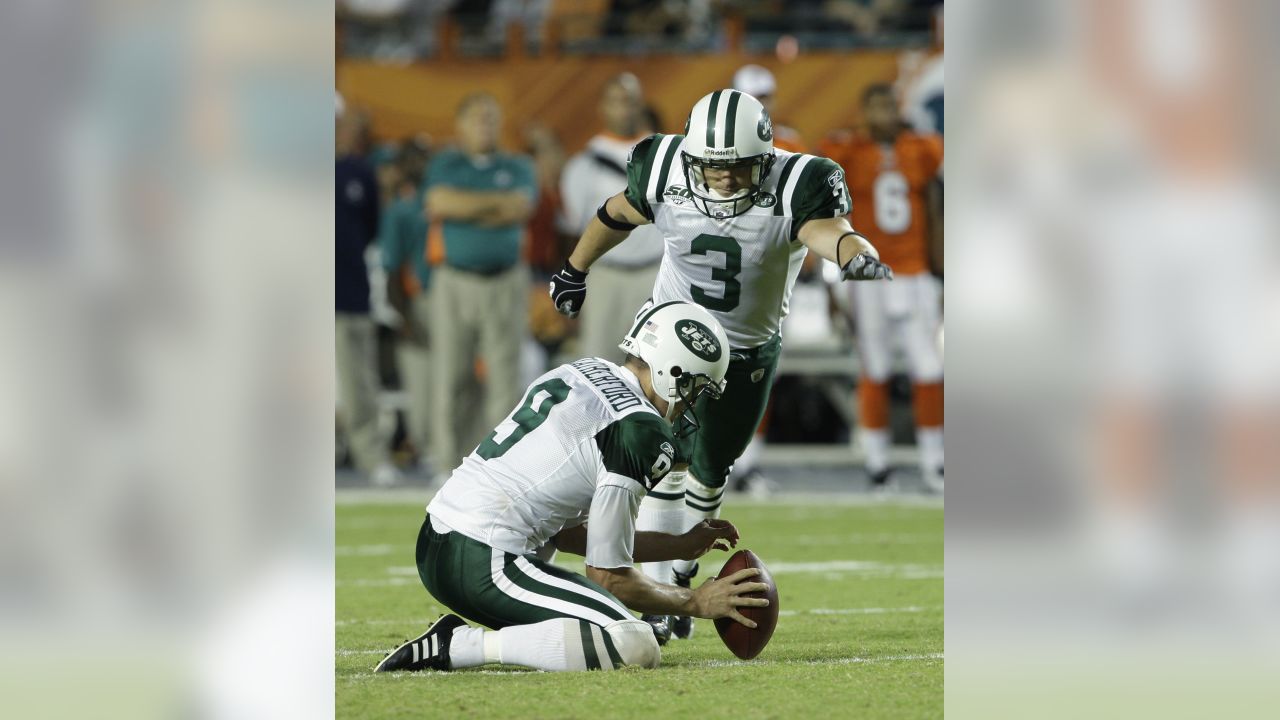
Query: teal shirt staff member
403	238
481	196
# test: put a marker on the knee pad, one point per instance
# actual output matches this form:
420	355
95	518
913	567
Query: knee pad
635	643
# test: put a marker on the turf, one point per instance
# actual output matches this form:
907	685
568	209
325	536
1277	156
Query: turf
861	632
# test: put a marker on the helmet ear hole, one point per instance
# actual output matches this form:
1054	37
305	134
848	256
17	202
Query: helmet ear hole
676	371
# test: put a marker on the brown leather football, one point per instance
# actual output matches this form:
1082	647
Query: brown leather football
741	640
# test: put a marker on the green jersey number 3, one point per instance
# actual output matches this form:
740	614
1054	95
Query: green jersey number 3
728	274
532	413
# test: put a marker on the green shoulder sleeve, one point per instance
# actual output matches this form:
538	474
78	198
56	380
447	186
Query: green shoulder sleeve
639	168
639	446
820	193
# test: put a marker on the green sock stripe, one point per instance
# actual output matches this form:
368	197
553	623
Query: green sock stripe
703	508
665	496
588	645
614	657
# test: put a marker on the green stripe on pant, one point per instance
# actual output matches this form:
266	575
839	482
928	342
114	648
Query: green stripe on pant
588	645
459	572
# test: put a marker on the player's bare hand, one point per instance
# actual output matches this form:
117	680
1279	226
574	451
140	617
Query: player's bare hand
721	597
865	267
709	535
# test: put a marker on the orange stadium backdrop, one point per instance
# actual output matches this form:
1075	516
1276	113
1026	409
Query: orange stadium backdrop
816	93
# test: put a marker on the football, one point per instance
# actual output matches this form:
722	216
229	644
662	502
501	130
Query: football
741	640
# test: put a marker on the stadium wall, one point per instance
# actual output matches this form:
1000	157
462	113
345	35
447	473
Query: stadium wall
816	92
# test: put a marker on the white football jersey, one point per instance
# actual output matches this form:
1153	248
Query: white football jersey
740	268
585	443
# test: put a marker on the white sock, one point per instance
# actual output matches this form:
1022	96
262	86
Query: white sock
554	645
701	502
875	443
466	649
662	510
930	440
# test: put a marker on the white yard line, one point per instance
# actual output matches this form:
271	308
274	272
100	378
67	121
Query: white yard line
824	661
831	569
397	496
424	621
367	550
705	663
380	582
859	611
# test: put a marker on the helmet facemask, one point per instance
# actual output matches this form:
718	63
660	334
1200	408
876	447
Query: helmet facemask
689	388
710	202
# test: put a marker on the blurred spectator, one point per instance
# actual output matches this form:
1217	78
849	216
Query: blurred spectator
355	227
891	173
657	18
759	83
548	246
650	121
403	241
869	17
920	78
529	13
621	280
398	30
478	200
471	16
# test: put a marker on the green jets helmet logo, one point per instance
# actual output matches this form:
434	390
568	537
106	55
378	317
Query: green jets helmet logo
699	339
764	128
764	199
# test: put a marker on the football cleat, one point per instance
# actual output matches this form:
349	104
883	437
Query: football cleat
880	478
682	626
661	627
428	651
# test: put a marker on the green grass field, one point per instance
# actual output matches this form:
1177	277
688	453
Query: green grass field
860	634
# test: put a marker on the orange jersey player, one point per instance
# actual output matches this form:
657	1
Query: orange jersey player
892	174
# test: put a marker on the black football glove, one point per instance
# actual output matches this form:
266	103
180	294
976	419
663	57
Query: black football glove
865	267
569	290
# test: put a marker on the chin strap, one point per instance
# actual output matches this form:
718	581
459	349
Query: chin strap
671	405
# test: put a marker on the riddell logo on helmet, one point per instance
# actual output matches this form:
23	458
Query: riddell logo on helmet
716	152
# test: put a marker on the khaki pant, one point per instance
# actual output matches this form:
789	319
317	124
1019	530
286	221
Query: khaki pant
613	296
414	360
355	349
474	316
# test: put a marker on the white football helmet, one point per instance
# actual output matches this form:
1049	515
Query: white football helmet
726	129
686	349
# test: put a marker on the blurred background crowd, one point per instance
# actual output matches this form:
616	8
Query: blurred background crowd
443	316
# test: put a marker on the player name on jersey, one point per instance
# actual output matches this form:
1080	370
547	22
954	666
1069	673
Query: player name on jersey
615	390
